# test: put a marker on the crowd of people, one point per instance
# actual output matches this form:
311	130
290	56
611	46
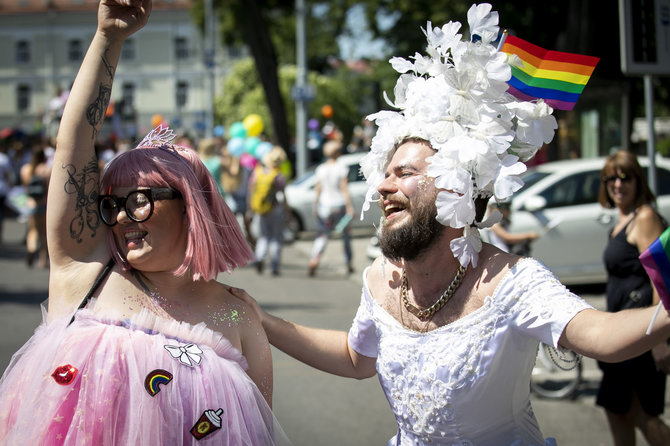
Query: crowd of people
449	324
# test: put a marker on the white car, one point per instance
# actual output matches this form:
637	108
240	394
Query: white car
560	201
300	196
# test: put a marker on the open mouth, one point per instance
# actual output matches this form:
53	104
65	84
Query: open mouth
392	210
134	238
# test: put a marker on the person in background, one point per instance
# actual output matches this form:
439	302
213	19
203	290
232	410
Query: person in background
209	150
502	238
632	392
6	182
266	199
35	178
140	344
451	325
332	204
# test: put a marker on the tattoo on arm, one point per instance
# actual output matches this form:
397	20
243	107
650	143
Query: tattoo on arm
109	69
84	185
95	112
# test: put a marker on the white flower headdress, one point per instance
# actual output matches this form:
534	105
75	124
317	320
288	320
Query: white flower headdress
455	97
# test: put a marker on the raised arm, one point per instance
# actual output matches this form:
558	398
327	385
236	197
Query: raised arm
74	230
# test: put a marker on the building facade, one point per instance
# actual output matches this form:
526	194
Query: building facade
162	73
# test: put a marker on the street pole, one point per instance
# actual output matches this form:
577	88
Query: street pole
210	50
651	135
301	82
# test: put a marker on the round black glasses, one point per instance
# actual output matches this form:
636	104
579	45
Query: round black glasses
138	204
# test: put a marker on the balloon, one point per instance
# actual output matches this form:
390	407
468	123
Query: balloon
327	111
313	124
219	131
236	146
263	148
253	123
248	161
250	145
237	130
156	120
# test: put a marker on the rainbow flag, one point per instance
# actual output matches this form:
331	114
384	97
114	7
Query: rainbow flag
656	261
554	76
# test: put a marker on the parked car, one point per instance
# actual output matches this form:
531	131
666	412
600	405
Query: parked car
563	195
300	196
560	201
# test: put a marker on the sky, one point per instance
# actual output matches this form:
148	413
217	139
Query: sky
361	44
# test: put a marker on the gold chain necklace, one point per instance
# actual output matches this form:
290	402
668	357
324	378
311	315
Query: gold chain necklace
444	298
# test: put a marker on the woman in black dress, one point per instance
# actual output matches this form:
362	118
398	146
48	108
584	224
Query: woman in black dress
632	392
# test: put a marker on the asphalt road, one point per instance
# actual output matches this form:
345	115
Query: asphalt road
312	406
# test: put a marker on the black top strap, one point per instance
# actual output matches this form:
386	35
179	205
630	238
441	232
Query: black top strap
105	271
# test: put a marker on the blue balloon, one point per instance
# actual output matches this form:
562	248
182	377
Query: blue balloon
219	131
263	148
236	146
237	130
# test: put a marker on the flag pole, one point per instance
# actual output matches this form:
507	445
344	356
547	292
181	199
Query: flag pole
502	39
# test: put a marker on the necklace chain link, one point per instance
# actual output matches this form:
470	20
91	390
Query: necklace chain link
425	313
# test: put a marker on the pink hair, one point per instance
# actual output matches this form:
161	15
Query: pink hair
215	241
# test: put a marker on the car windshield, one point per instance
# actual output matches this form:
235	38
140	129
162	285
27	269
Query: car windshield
531	177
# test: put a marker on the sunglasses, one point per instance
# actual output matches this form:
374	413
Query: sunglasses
620	176
138	204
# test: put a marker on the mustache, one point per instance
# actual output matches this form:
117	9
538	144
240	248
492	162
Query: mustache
398	199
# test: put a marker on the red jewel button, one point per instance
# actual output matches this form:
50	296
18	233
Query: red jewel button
64	374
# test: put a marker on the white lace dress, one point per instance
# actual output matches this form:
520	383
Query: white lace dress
467	383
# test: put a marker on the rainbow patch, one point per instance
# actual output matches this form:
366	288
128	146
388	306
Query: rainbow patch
656	261
554	76
154	379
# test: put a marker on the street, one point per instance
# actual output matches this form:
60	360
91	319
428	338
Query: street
312	407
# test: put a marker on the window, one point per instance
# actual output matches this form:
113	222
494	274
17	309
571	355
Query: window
23	98
181	48
75	50
128	51
22	52
580	188
181	94
128	94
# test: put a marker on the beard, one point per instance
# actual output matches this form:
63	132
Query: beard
411	239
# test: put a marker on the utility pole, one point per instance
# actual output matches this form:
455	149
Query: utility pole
210	51
301	92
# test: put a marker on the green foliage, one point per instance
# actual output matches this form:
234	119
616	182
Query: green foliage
663	146
344	91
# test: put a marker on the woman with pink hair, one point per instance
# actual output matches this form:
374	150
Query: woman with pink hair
140	343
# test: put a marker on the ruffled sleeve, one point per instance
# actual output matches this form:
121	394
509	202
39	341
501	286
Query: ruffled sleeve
539	304
363	333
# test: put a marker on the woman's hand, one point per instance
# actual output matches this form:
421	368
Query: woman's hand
118	19
244	296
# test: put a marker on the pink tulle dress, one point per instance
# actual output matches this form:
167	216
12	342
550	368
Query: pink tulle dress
139	381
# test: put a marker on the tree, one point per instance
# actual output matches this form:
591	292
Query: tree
265	26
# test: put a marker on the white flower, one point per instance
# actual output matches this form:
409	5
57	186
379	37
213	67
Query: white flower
536	124
455	97
466	249
483	22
